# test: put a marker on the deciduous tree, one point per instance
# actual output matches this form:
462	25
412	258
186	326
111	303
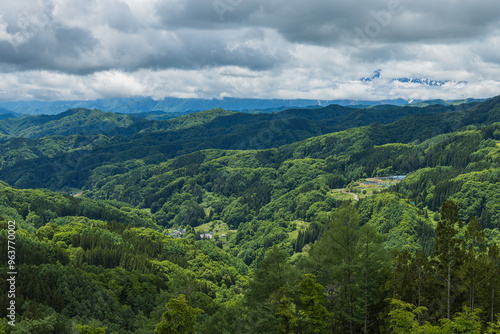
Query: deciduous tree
179	317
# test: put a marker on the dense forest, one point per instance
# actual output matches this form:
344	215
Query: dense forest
323	220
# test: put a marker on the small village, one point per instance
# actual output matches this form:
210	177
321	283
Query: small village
367	187
180	233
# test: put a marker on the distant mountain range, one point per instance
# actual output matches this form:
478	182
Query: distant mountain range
428	82
145	105
421	80
5	113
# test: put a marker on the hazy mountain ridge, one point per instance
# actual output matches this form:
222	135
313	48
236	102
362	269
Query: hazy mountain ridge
179	105
91	122
95	122
31	161
67	123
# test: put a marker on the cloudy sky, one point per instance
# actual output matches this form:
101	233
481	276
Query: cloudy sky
317	49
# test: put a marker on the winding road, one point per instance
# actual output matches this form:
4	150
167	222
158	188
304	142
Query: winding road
356	197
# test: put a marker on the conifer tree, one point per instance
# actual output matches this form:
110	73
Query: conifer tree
335	260
312	302
474	237
268	294
448	250
372	259
492	273
423	279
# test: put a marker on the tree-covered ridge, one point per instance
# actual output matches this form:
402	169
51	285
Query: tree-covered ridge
37	162
125	275
93	122
74	121
333	117
84	262
38	207
321	163
262	193
419	256
195	119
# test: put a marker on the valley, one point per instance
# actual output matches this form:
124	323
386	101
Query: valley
252	216
249	167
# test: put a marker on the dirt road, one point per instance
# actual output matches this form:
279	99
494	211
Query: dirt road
356	197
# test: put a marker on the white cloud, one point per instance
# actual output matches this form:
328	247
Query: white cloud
76	49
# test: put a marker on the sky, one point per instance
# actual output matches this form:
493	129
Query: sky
312	49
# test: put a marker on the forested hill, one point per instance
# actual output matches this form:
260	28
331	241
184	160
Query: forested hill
93	122
177	105
41	162
329	220
67	123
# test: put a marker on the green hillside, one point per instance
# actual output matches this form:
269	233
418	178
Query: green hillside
38	162
73	121
254	223
93	122
78	265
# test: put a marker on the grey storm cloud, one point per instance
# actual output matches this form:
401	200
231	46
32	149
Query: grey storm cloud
116	39
191	34
282	47
60	48
120	17
325	22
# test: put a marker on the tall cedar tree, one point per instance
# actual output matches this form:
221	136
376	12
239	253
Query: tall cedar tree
268	292
372	259
424	278
448	251
471	271
337	260
493	271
